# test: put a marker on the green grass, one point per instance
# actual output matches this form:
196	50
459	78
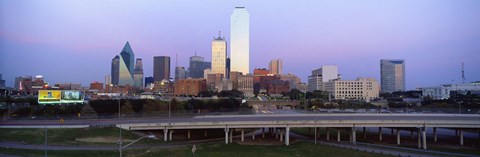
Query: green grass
61	136
303	149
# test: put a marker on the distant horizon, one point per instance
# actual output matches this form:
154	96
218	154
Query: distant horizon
74	41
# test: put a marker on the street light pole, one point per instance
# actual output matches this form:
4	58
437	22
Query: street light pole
170	112
120	134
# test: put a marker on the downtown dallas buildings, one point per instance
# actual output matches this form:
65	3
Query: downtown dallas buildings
392	75
124	70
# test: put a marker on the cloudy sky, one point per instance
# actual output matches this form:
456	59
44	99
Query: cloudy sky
74	41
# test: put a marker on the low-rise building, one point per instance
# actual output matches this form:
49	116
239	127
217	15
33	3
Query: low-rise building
245	85
443	91
190	87
359	89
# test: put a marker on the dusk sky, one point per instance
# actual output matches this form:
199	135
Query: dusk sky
74	41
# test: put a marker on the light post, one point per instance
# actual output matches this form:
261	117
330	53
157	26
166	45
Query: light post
146	136
315	116
120	129
170	112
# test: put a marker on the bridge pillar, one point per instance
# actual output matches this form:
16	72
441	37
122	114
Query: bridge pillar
226	135
205	133
165	134
328	134
411	134
231	136
338	135
253	134
318	134
242	135
281	135
419	138
391	130
263	132
398	136
380	134
287	135
424	138
354	136
171	134
188	134
364	132
276	132
461	137
434	134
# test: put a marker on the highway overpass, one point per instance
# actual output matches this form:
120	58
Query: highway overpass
280	124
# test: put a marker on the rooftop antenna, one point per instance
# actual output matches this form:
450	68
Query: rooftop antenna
463	73
176	60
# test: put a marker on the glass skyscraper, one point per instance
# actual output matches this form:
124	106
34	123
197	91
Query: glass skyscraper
122	67
197	66
161	68
392	73
219	56
138	73
240	40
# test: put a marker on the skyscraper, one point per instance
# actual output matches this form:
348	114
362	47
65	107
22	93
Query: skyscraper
197	65
240	40
180	73
122	67
108	80
392	73
161	68
219	55
275	66
138	73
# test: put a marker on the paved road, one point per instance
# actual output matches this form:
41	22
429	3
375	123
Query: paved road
258	118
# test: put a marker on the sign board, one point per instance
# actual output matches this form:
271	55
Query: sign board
59	96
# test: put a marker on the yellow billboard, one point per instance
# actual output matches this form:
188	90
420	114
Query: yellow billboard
49	96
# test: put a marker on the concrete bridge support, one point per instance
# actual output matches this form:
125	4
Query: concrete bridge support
231	136
171	134
243	138
263	132
364	132
380	134
434	134
424	138
338	135
461	137
328	134
165	134
287	135
354	136
188	134
253	134
281	135
419	138
398	136
226	135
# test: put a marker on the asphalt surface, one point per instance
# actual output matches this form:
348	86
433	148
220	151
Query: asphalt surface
273	117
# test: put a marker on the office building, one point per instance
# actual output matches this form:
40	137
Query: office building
240	40
190	87
392	75
245	84
321	75
292	79
161	68
360	89
206	72
276	67
197	66
215	82
2	82
164	88
148	81
219	55
180	73
123	67
108	80
96	86
138	74
443	92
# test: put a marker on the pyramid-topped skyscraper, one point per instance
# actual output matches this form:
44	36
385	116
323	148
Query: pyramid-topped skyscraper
123	67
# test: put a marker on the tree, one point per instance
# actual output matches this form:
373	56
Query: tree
88	112
127	108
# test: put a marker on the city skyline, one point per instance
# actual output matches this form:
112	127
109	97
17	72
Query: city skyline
303	45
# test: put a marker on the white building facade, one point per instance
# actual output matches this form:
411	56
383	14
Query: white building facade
240	40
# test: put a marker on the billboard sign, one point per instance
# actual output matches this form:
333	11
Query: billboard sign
59	96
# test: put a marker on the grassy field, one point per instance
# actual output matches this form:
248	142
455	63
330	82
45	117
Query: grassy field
303	149
372	138
63	136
